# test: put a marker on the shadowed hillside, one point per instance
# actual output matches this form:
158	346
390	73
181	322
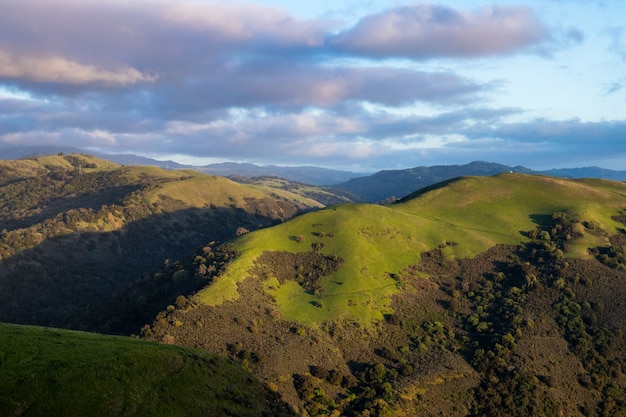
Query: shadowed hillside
76	230
485	296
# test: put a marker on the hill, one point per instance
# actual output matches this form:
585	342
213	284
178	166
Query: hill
587	172
495	295
392	184
328	196
76	231
51	372
303	174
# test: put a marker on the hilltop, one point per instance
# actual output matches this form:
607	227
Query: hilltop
77	230
52	372
480	296
389	185
305	174
385	185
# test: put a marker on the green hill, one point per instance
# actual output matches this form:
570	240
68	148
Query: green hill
467	216
481	296
393	184
52	372
76	230
326	195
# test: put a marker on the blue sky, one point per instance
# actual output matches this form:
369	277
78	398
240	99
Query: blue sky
358	85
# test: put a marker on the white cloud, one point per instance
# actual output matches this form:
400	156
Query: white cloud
426	31
245	22
59	70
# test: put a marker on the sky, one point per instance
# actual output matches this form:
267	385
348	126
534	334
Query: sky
360	85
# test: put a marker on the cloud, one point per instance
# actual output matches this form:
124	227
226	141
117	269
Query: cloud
431	31
613	88
246	22
351	137
300	87
242	81
59	70
195	57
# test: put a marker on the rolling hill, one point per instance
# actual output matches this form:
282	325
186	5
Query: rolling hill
393	184
52	372
496	295
76	230
479	295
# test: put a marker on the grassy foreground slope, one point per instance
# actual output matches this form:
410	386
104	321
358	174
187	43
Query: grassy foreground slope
53	372
482	296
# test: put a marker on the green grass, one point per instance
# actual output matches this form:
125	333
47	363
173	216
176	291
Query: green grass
197	189
498	209
51	372
376	241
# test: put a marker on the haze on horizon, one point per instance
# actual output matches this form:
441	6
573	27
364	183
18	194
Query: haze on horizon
358	85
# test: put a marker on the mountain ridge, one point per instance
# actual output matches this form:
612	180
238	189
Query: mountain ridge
358	183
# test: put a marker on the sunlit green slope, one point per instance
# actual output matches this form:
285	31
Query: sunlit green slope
464	217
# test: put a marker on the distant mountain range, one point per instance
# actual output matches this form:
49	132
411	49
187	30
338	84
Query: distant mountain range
380	186
385	185
305	174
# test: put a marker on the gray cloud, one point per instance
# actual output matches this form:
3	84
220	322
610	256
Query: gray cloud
247	82
180	59
427	31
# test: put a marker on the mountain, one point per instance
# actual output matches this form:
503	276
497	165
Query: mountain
498	295
328	196
385	185
136	160
303	174
77	233
52	372
392	184
587	172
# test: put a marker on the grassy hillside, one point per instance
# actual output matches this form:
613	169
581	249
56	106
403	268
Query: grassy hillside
52	372
76	230
392	184
481	296
466	216
500	209
326	195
